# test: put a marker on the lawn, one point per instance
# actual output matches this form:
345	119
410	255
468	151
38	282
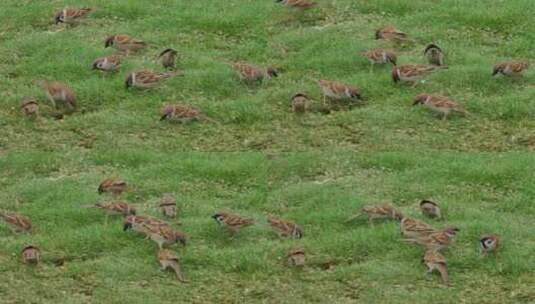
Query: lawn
260	158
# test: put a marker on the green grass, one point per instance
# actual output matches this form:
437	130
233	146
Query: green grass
315	169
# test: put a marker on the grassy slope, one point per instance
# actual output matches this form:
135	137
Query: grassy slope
49	168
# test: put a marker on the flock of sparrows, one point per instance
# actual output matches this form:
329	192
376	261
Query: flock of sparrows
162	233
433	240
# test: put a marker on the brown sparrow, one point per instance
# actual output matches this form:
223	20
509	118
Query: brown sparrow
412	73
30	107
108	64
124	43
511	68
163	234
17	223
234	223
434	54
168	57
31	255
168	206
147	79
436	261
300	103
250	73
415	229
285	228
138	223
71	16
380	56
112	185
298	4
430	209
489	243
390	33
59	92
117	208
182	113
296	257
439	104
338	91
169	259
384	211
438	240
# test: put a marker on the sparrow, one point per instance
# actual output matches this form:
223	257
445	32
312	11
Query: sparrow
298	4
71	16
438	240
380	56
439	104
108	64
390	33
30	107
412	73
434	54
413	229
117	208
163	234
430	209
384	211
300	103
168	206
169	259
31	255
183	114
436	261
147	79
139	223
17	223
285	228
511	68
296	257
124	43
489	243
250	73
234	223
59	92
112	185
168	57
338	91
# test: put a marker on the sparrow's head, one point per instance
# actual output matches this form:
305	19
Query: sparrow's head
298	233
395	74
129	80
451	231
100	189
97	64
433	48
218	217
180	237
127	225
378	34
58	18
169	52
488	241
420	99
302	95
392	58
109	41
397	215
427	202
272	72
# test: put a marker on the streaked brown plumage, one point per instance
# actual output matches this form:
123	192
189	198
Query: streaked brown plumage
108	64
168	205
251	73
413	73
300	103
117	208
125	43
384	211
168	259
147	79
234	223
168	58
434	54
298	4
438	240
430	209
71	16
296	257
489	243
338	91
390	33
285	228
439	104
30	107
511	68
183	114
436	261
18	223
31	255
114	186
163	234
380	56
58	92
414	229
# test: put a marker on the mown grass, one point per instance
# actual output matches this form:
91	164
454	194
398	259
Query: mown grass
315	169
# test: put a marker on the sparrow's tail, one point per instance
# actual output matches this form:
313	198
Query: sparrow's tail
204	117
443	274
354	217
178	272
